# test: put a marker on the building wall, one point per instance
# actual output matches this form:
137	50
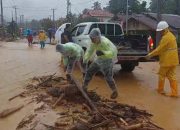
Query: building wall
103	19
135	25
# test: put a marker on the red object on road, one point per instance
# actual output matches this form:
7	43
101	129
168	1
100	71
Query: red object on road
30	38
151	43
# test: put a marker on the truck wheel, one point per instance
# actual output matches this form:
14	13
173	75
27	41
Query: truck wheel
128	67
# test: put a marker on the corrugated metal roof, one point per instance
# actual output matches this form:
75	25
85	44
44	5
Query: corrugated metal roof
150	19
171	19
98	13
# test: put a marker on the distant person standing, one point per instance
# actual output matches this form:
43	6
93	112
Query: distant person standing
50	34
42	38
29	37
66	35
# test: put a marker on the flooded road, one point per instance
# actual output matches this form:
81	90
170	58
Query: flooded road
19	63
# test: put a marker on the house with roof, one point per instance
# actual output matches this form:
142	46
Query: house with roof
101	15
146	23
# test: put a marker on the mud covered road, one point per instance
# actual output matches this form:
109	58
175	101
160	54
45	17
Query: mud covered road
18	63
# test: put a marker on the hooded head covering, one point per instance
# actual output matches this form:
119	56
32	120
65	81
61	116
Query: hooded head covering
95	32
60	48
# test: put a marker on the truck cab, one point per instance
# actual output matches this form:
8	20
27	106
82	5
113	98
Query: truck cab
131	48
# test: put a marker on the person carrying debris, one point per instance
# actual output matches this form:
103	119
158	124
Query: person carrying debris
106	52
168	59
42	38
71	53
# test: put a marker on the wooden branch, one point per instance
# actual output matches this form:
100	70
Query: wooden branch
101	124
84	94
134	127
123	121
26	120
52	127
58	100
45	81
9	111
20	94
87	107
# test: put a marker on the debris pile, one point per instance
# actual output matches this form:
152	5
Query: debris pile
75	110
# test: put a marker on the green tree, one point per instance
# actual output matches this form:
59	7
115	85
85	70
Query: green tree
119	6
46	24
12	29
167	6
35	25
96	5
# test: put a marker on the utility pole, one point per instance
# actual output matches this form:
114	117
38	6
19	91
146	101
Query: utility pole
54	17
2	19
177	7
15	10
159	18
159	6
68	9
12	26
127	6
22	21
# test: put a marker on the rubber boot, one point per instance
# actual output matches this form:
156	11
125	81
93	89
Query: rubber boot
114	94
160	89
174	89
114	90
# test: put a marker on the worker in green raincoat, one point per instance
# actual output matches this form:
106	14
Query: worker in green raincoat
71	53
106	53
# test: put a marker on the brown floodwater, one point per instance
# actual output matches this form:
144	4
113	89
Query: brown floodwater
18	63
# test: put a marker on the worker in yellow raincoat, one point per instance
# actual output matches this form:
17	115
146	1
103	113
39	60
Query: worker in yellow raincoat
42	38
168	56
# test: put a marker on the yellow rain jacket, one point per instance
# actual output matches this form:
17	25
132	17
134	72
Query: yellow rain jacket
42	36
167	50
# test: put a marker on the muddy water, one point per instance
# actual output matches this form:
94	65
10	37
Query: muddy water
19	63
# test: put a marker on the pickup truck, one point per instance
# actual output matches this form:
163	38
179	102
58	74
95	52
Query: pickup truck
131	48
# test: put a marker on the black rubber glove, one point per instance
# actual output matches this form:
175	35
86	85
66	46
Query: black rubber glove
84	66
99	53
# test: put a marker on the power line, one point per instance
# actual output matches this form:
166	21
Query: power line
2	19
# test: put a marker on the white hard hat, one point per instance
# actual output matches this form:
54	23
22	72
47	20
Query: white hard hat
162	25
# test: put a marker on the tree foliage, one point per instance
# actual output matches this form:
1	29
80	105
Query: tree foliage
119	6
12	28
34	25
96	5
167	6
46	23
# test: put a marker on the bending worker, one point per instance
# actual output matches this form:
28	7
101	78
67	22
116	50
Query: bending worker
106	52
168	56
71	53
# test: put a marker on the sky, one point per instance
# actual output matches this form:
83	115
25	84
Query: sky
38	9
